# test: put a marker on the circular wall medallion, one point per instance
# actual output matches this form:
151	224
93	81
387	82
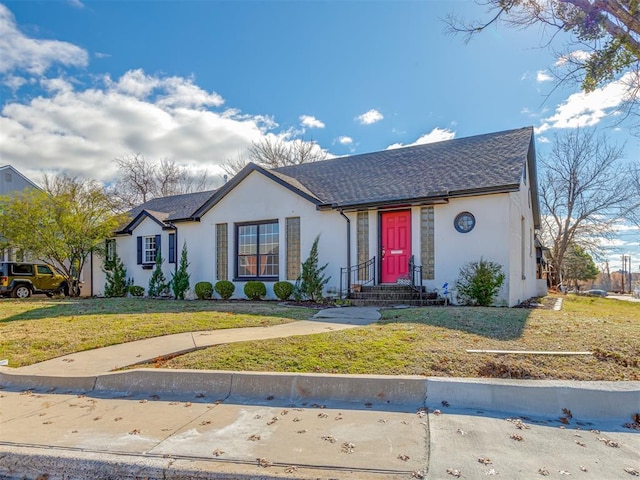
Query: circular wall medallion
464	222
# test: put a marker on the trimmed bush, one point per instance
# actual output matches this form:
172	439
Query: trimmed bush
283	290
479	282
204	290
136	291
225	289
255	290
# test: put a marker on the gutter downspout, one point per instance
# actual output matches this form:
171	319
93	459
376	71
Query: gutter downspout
348	250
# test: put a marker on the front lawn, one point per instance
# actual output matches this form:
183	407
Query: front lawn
34	330
433	342
421	341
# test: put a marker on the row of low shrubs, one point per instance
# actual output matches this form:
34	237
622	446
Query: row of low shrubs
253	290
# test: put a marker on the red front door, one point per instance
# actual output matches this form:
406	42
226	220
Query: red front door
395	245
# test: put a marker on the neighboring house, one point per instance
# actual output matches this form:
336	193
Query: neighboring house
12	181
441	205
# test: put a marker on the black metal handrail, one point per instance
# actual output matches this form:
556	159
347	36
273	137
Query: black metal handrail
361	274
415	276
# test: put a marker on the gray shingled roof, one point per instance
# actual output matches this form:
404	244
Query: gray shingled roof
488	162
492	162
167	209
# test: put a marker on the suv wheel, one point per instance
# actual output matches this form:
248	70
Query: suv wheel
21	291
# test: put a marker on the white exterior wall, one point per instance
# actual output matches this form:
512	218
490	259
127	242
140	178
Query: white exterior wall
98	277
487	239
258	198
127	249
200	240
521	247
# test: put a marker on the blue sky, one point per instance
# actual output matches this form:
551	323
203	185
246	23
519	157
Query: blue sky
197	81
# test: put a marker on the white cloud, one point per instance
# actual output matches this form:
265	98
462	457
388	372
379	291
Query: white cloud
310	121
542	139
579	56
543	76
14	82
81	130
435	135
587	109
56	85
20	53
344	140
372	116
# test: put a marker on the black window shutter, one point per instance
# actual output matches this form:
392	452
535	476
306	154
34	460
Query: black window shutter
139	250
172	248
157	245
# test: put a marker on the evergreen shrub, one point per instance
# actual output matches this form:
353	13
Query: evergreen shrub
225	289
204	290
255	290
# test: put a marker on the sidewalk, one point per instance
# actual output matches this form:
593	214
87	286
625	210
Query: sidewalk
74	418
102	360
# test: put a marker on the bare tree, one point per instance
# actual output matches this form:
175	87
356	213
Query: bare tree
232	166
604	44
141	180
634	200
272	152
582	192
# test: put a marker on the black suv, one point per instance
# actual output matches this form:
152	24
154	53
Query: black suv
20	280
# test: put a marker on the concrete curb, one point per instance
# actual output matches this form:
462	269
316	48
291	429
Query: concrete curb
597	400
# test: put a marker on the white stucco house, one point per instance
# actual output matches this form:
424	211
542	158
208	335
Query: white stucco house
441	205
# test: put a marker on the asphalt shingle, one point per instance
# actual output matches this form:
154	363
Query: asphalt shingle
174	207
482	162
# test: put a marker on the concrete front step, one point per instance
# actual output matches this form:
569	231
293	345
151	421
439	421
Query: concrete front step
396	293
393	295
358	302
390	295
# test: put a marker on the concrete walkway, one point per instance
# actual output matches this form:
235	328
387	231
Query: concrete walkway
102	360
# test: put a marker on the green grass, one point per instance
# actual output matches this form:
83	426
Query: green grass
432	342
421	341
35	330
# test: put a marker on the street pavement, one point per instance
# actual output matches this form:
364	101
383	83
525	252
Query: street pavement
356	428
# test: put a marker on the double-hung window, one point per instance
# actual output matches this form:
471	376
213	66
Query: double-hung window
149	249
257	250
110	250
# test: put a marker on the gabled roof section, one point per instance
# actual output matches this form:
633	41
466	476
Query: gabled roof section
284	180
7	168
487	163
165	210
